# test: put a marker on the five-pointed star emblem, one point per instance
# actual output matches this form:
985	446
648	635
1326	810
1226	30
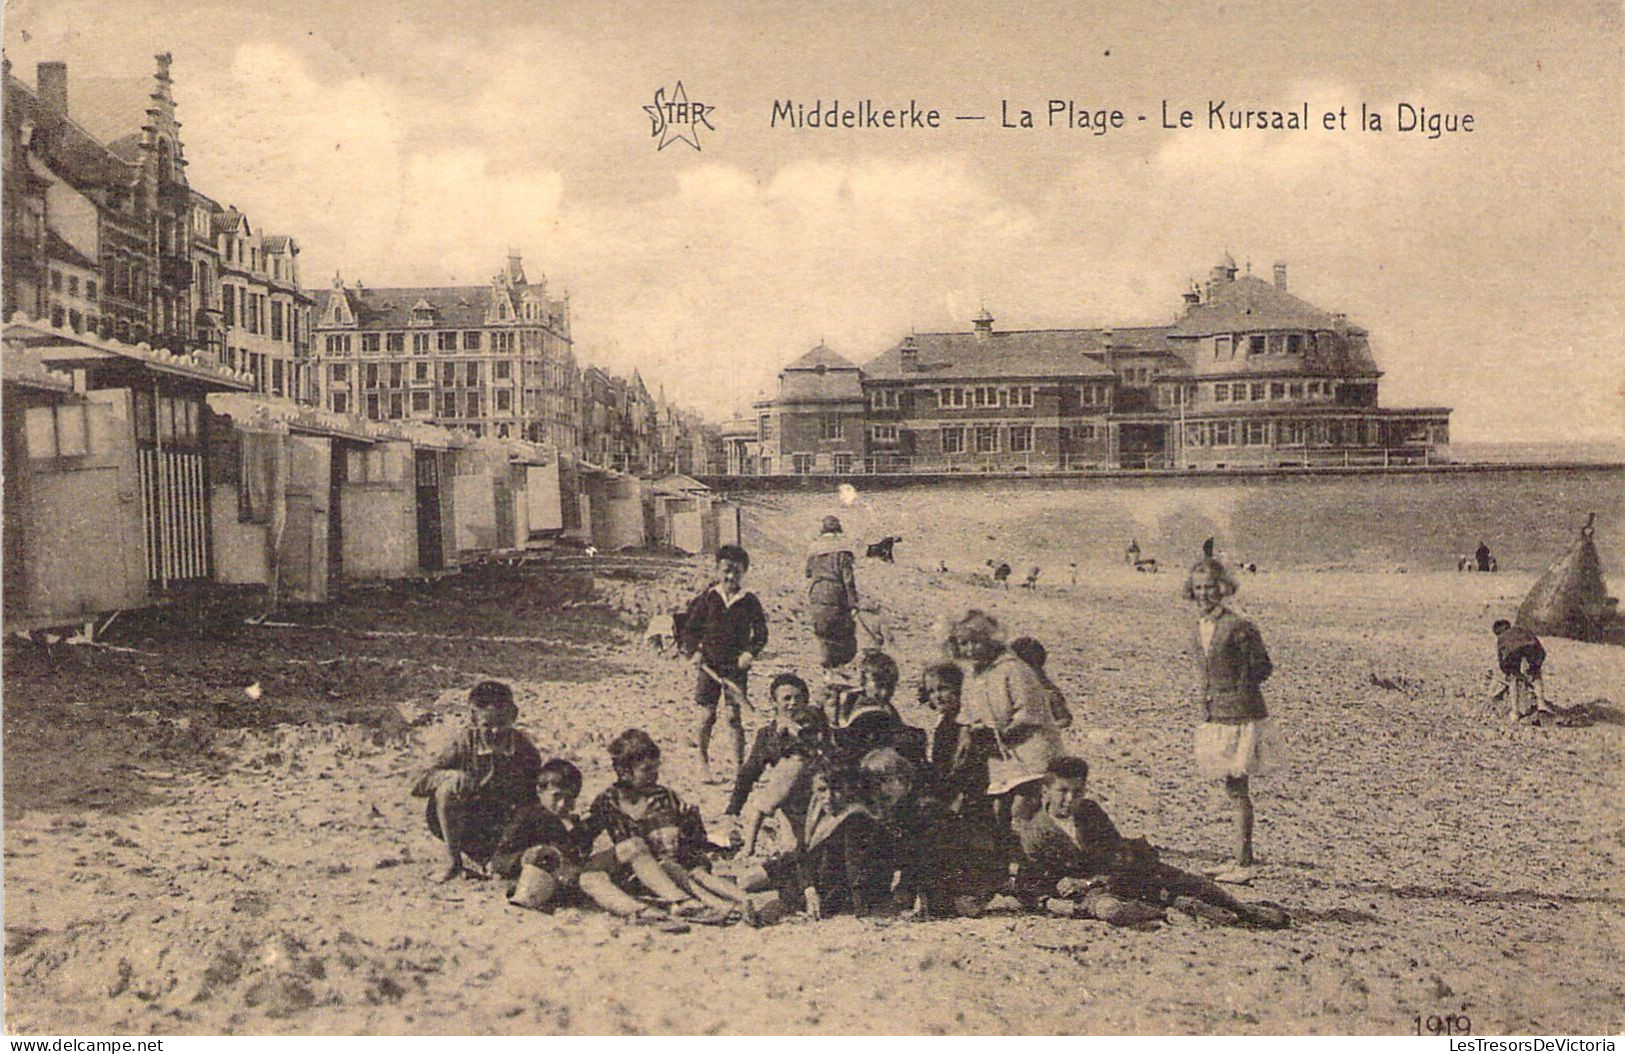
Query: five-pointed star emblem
677	118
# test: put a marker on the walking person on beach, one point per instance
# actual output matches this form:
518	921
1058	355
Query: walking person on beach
724	630
1236	738
832	596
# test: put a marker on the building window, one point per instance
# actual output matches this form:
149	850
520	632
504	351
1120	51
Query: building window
1313	389
446	341
372	407
1221	393
397	406
953	439
339	373
448	374
502	342
1258	433
448	404
952	399
987	439
369	343
339	401
420	343
90	289
1294	343
1022	395
276	376
1222	347
761	429
276	324
59	317
802	463
73	285
369	375
1277	390
502	369
883	433
421	401
1223	434
1291	433
504	400
1296	389
1021	439
420	373
1257	391
471	340
56	281
228	295
474	405
984	396
397	375
1255	344
471	373
1277	343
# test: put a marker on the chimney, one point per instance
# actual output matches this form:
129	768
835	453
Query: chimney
1280	277
53	87
1193	296
984	325
908	355
1340	322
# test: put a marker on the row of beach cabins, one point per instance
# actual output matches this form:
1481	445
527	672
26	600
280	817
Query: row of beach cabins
133	475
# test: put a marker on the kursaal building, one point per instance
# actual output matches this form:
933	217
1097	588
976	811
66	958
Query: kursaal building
1248	376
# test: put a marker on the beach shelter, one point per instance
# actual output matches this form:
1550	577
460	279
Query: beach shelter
616	504
1571	599
473	489
137	444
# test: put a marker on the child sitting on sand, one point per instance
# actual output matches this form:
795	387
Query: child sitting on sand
968	851
641	817
865	719
480	779
786	783
1075	863
724	630
544	835
1236	738
787	693
859	835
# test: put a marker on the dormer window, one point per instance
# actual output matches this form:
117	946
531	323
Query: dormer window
422	313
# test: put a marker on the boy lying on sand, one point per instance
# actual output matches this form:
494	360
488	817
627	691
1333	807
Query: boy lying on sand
1075	863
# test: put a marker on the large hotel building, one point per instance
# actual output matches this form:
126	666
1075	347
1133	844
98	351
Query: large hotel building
1248	375
493	360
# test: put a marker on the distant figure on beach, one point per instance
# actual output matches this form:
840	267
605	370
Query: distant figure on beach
1483	559
1031	581
832	596
1463	563
1001	572
1519	656
1236	738
1131	555
1073	567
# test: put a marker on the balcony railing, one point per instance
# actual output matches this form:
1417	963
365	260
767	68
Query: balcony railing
1206	459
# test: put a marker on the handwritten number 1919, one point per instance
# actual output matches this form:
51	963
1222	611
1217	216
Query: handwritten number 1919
1443	1025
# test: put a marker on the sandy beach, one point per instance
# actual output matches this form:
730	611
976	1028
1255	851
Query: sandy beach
180	858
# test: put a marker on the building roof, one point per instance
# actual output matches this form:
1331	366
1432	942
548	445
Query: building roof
276	243
60	344
455	307
1014	353
1249	304
76	154
58	248
24	368
822	356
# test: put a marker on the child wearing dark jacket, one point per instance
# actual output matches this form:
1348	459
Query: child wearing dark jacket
723	630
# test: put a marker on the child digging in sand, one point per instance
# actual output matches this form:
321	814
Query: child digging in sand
1236	738
480	779
660	839
1076	864
724	630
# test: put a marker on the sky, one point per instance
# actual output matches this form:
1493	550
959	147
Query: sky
411	143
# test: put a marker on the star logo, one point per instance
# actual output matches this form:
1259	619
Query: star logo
677	119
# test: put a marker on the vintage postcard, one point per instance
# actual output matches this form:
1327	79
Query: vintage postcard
813	518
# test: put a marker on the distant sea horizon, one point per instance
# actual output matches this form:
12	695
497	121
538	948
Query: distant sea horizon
1591	451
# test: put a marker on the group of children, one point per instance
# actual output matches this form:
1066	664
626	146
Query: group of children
983	810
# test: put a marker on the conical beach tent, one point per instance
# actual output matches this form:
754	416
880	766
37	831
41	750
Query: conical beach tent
1571	600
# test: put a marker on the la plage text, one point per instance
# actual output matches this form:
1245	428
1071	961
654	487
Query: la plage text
1219	115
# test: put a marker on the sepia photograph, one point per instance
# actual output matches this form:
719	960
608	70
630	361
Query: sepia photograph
813	519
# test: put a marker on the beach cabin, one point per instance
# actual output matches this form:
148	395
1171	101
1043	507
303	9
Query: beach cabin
614	504
474	471
113	489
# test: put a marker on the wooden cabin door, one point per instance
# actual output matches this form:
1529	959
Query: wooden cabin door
431	537
302	569
174	486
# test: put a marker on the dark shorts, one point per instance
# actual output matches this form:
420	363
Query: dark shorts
1525	659
708	693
